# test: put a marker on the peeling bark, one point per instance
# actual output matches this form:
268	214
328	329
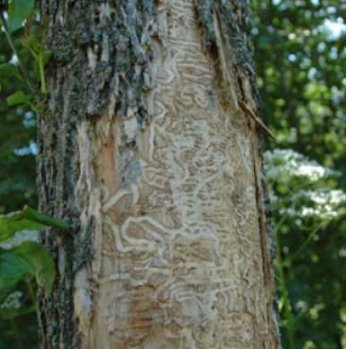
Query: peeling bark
145	148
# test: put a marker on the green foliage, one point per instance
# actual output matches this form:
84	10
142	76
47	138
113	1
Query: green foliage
43	219
17	129
8	70
12	270
40	54
18	11
301	62
29	258
22	60
11	223
305	203
27	219
18	98
24	260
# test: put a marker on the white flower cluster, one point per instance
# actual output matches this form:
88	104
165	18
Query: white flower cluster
12	301
326	203
288	163
283	166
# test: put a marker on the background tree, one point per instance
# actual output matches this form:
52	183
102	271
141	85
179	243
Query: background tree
301	60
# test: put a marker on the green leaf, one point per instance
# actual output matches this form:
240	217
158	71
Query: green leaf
7	69
18	11
12	270
42	218
18	98
14	222
40	261
27	219
29	258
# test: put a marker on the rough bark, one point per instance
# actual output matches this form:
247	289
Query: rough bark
149	147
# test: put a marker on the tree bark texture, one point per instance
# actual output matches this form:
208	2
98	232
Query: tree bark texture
148	146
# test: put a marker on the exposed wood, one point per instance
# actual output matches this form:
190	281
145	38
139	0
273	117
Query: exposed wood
156	163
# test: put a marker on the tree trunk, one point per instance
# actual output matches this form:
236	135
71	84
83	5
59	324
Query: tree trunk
148	146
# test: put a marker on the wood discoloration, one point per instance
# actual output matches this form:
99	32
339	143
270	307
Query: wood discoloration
170	204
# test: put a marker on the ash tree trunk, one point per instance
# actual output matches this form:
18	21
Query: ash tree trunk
148	145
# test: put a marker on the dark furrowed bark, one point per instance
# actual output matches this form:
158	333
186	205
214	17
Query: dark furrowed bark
100	61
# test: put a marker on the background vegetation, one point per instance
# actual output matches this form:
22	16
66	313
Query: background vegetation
300	54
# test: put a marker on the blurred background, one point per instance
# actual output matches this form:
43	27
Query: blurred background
300	56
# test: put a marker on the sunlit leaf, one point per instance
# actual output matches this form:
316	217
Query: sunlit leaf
14	222
42	218
18	97
27	219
